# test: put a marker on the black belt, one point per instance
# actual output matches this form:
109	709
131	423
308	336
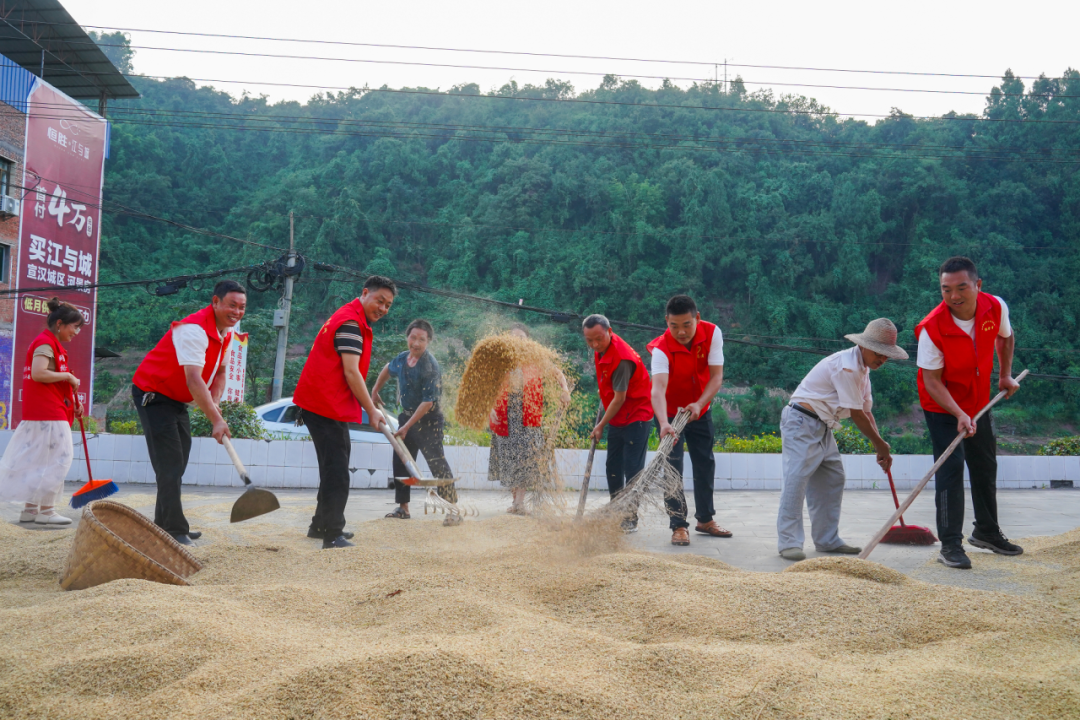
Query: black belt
804	411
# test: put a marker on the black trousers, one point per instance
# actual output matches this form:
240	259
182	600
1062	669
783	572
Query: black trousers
626	448
426	436
332	447
980	454
168	439
698	438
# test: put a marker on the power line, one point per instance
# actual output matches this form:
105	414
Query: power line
532	54
547	71
124	210
561	316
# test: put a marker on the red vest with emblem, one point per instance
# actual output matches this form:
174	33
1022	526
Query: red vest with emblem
968	363
688	368
47	401
160	371
322	388
532	408
638	404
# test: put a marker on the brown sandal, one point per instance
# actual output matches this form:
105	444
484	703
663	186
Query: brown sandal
680	537
711	528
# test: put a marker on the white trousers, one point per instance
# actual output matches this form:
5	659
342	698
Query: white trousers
36	461
814	472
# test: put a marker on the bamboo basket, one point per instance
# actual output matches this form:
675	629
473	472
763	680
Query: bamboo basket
114	542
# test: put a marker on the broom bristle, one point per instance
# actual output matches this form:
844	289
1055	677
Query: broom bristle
909	535
93	490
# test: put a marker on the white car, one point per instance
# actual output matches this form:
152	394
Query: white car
279	418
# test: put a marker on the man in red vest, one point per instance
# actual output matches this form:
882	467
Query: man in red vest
957	341
331	392
625	391
185	367
687	370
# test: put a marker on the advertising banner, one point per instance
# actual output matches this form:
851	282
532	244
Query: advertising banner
59	228
236	366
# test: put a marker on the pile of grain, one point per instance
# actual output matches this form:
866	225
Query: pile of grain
512	618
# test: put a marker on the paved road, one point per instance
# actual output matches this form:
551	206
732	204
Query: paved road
751	515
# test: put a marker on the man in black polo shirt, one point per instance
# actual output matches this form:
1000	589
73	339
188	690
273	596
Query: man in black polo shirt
419	382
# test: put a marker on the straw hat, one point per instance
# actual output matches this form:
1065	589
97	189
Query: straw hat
880	336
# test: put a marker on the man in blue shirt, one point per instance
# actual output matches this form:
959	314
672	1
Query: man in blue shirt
419	389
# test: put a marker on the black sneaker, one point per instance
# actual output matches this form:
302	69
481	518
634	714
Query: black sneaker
338	542
629	526
320	535
998	543
954	557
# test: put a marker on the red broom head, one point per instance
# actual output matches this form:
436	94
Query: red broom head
909	535
93	490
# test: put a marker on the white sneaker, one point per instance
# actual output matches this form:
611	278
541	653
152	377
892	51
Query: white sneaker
27	516
51	519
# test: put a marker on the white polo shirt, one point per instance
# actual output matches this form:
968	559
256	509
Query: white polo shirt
837	385
190	342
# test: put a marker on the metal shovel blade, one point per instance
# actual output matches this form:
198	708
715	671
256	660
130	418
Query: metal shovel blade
253	503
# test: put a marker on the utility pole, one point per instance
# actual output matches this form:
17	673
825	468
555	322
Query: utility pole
281	319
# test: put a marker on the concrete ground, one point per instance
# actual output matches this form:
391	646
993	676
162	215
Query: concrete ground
750	515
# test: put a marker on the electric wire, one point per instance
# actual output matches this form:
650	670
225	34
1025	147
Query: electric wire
533	54
543	71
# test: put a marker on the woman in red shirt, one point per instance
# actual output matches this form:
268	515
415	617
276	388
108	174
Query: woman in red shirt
38	457
518	449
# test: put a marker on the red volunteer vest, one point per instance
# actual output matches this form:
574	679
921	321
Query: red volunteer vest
532	408
638	405
968	364
322	388
689	369
160	371
47	401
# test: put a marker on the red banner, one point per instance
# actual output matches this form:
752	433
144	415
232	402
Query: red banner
59	227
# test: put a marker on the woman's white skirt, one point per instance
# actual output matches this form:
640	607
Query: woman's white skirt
35	463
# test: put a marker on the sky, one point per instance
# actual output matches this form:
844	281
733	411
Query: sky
914	37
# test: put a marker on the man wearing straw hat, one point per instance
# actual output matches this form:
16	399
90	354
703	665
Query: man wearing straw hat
838	387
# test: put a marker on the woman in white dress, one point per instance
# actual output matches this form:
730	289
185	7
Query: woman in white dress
38	457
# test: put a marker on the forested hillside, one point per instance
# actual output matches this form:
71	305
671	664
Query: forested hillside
789	225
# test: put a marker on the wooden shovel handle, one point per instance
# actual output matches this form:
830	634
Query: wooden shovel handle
588	468
399	448
922	483
235	459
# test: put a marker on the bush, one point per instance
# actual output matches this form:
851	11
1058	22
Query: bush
90	423
852	442
1062	446
756	444
124	427
242	420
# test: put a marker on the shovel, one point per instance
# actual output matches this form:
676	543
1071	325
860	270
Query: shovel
255	501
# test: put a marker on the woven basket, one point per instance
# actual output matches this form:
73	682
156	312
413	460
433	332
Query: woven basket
114	542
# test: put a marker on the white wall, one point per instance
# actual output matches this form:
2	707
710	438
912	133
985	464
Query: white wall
292	464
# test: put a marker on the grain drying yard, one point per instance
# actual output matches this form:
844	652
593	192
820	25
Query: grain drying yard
511	617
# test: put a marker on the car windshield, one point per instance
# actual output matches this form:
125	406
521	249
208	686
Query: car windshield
290	414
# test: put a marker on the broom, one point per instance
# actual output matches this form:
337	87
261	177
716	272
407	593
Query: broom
94	489
904	534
